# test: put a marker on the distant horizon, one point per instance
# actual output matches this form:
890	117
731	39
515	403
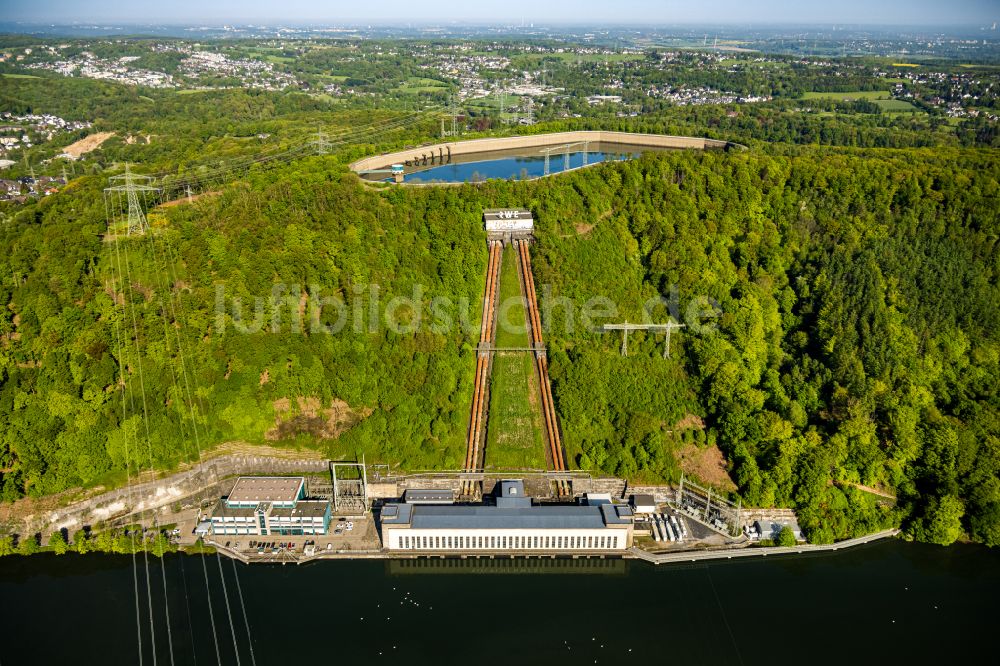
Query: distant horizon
497	23
66	28
622	13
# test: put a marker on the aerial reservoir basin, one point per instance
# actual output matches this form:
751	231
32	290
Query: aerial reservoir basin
518	158
519	164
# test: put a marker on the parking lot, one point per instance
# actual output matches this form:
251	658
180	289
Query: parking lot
347	534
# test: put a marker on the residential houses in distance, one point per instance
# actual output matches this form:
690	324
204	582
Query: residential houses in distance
24	131
21	189
19	132
90	66
250	72
685	96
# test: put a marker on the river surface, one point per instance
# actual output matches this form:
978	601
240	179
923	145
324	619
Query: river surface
888	602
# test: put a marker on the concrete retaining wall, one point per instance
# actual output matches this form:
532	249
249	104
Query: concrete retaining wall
191	485
535	141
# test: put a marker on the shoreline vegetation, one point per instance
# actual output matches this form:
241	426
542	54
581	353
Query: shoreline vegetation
122	541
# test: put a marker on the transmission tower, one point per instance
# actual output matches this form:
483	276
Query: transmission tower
321	144
501	95
453	113
129	185
626	327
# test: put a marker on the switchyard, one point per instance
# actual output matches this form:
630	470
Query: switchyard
510	228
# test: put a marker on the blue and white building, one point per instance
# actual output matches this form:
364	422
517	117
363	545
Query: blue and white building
269	506
513	523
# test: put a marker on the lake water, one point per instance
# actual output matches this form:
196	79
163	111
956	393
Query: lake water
887	603
519	167
520	164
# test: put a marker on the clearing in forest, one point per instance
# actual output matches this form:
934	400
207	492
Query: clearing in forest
87	144
706	464
514	438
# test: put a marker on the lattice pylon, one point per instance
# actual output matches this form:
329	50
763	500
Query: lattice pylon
130	185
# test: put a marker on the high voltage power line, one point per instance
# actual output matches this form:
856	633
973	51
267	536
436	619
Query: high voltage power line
320	144
124	204
174	184
127	198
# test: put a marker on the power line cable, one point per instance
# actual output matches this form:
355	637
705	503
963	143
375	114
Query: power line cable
128	476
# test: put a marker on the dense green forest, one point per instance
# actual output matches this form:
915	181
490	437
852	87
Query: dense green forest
839	280
853	340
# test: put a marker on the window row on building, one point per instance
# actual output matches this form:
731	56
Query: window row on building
510	541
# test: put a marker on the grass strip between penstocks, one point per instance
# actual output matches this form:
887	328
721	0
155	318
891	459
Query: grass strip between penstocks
512	329
515	427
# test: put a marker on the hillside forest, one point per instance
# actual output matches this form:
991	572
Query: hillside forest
851	345
839	278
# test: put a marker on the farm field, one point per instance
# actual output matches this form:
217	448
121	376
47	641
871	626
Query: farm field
416	85
849	95
514	438
491	102
896	105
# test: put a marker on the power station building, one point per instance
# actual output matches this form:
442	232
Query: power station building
507	223
513	523
268	506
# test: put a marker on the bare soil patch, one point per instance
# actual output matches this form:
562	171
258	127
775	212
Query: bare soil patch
705	463
311	418
87	144
690	422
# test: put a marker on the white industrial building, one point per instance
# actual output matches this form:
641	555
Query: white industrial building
770	529
270	505
512	524
643	503
508	223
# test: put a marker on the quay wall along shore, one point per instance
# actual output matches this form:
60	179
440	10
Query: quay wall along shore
634	553
471	146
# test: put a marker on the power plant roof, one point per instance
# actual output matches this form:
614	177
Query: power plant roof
266	489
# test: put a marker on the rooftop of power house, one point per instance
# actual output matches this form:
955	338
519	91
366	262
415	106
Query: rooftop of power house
509	508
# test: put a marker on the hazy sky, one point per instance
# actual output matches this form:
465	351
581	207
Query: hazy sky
645	12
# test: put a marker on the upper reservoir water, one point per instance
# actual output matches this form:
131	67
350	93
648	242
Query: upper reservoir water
520	164
888	602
